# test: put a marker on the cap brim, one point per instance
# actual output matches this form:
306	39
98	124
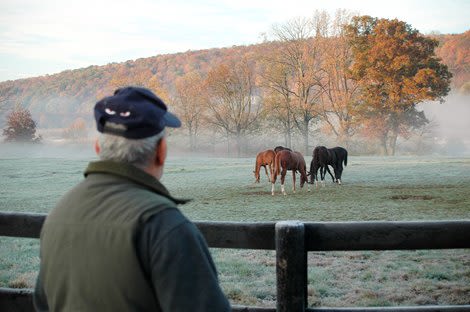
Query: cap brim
171	120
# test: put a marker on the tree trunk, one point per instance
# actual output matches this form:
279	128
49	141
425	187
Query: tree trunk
239	144
192	140
305	134
383	146
289	138
228	144
393	144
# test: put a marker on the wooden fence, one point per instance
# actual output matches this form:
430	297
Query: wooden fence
292	240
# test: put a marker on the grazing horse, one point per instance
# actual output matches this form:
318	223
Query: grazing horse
263	159
320	160
340	157
287	160
322	157
281	148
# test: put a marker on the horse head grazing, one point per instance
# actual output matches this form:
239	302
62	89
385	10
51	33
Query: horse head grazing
303	179
319	161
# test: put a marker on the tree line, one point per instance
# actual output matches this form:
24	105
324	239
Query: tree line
356	75
349	76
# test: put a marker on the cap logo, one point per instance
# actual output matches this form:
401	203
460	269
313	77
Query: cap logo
109	111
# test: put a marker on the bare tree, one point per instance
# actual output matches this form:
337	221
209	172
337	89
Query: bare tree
232	107
301	56
190	104
339	95
278	98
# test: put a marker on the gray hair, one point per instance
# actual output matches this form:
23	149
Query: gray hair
135	152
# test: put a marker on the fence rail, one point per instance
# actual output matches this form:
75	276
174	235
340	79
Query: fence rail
292	240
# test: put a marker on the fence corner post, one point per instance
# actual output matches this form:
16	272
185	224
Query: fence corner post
291	266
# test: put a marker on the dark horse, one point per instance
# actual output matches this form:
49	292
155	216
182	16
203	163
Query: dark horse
281	148
340	156
322	157
263	159
287	160
320	160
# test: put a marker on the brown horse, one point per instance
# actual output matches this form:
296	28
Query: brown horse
287	160
263	159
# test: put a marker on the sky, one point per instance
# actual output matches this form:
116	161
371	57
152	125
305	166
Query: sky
41	37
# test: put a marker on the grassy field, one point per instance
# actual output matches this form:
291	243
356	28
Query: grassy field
375	188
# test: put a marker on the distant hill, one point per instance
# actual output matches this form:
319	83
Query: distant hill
455	53
57	100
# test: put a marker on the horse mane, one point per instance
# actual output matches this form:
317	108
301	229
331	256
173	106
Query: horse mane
281	148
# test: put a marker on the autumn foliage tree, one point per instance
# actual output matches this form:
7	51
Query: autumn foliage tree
232	105
76	131
278	98
189	101
20	127
299	56
396	68
340	92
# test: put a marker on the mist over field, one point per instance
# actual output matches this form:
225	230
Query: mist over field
452	123
448	133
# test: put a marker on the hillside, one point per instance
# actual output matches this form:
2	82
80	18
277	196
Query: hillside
56	100
455	53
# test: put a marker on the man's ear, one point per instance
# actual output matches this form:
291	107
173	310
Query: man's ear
160	152
97	147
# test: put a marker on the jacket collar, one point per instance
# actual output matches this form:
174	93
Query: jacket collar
132	173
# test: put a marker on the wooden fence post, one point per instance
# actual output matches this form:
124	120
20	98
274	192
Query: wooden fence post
291	266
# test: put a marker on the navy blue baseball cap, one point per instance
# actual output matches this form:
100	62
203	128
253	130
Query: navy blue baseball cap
133	113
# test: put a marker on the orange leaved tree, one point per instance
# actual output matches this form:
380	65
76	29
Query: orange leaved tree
396	68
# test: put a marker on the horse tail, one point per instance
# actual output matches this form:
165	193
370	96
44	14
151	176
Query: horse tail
277	166
345	157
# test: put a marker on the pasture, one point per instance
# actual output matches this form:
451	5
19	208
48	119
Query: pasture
223	189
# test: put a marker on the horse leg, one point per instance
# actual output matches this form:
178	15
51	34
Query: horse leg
340	172
266	170
256	172
293	181
328	169
316	176
273	181
283	178
322	175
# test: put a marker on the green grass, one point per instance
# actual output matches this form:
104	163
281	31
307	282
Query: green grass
375	188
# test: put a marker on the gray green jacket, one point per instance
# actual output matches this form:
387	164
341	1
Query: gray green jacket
117	242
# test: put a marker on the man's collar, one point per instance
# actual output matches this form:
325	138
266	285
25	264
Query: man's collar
132	173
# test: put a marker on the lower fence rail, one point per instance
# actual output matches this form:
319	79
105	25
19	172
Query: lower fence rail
292	240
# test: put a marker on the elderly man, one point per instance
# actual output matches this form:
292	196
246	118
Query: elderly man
117	241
